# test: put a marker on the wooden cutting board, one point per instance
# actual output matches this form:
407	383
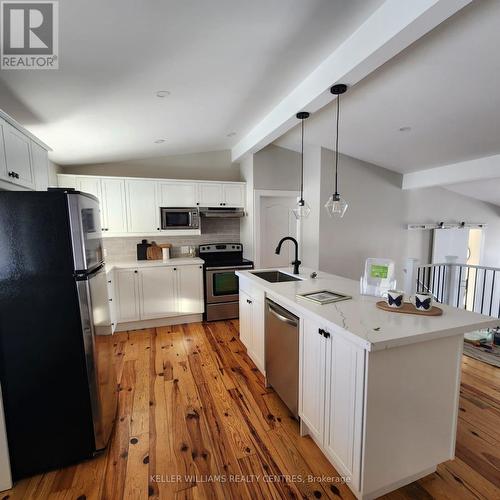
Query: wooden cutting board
409	308
154	252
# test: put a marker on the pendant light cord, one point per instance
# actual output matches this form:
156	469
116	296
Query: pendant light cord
337	148
302	166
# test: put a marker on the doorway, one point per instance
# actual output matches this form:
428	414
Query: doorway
274	221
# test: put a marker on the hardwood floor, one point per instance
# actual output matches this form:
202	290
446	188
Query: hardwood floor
192	404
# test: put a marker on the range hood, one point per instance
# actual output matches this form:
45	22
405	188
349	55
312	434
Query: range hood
222	213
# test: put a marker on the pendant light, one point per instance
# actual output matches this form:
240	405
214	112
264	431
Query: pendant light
336	206
303	209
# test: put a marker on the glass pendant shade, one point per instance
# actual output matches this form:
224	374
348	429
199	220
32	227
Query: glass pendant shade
302	210
336	206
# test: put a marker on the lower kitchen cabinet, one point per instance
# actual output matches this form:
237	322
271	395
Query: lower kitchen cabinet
332	390
127	295
252	323
313	380
190	299
110	276
158	292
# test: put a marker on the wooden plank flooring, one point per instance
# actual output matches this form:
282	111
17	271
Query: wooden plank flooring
192	406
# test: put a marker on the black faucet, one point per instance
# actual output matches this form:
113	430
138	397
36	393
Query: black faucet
296	263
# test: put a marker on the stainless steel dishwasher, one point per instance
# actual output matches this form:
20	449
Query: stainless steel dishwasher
282	354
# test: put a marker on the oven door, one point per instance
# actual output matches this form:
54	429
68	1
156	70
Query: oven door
222	284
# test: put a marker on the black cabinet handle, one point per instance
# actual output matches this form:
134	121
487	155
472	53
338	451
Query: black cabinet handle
175	269
249	301
109	281
157	228
111	300
197	204
201	267
17	176
136	271
324	333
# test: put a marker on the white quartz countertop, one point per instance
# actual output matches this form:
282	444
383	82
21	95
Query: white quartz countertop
360	319
178	261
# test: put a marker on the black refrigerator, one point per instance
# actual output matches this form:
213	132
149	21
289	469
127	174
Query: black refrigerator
56	350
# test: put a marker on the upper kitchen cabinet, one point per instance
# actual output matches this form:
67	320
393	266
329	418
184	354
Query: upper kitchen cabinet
142	207
40	166
23	158
113	207
176	194
18	157
90	185
225	194
233	195
67	181
210	194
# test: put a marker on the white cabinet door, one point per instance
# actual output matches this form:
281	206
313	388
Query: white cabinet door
190	289
113	206
142	209
210	194
312	378
90	185
110	277
18	157
246	319
257	350
344	405
3	162
67	181
127	295
158	292
40	166
177	194
234	195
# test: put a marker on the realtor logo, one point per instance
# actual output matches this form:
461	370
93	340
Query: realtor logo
29	35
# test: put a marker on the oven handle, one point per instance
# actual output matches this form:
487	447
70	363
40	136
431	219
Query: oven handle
228	267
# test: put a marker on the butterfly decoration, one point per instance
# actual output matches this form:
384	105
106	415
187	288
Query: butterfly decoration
423	304
395	301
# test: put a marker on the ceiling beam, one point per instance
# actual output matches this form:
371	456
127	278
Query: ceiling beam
388	31
465	171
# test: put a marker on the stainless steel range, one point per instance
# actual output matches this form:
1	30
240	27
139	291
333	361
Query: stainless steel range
222	260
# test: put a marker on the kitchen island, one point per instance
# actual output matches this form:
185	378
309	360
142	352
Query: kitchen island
378	391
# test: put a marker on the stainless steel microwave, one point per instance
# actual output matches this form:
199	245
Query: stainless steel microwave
179	218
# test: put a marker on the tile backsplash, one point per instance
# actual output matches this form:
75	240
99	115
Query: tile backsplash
212	231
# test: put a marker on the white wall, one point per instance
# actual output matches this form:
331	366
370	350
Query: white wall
211	165
375	222
247	223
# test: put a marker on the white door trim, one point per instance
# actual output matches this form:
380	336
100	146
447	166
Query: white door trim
258	195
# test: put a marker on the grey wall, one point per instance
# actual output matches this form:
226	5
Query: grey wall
375	222
212	165
276	168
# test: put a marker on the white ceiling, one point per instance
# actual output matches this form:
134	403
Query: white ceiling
485	190
225	62
446	87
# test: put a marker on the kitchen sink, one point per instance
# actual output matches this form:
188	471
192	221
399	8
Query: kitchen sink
275	276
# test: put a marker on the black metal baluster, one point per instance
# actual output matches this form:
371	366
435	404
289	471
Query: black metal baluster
439	283
492	290
428	279
475	290
467	287
459	286
433	280
484	288
418	278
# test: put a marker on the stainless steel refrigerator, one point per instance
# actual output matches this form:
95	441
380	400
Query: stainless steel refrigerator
56	349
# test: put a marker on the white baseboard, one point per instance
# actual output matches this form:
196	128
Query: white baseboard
156	323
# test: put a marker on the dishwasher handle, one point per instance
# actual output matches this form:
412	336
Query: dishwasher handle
281	317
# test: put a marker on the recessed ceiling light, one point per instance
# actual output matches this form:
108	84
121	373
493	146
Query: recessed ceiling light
405	129
159	141
231	134
162	93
